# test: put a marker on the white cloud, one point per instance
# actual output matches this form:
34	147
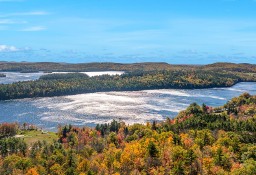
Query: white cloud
9	21
6	21
5	48
33	29
32	13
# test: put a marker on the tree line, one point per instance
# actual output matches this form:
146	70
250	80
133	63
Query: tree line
76	83
108	66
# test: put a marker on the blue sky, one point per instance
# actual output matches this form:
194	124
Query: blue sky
173	31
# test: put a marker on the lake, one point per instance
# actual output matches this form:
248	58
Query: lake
131	107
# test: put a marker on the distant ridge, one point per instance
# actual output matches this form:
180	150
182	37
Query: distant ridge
110	66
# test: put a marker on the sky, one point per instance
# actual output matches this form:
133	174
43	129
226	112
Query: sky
173	31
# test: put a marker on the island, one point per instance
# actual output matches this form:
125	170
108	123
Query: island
149	76
2	75
29	71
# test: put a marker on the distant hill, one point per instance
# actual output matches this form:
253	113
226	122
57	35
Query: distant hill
243	67
47	66
108	66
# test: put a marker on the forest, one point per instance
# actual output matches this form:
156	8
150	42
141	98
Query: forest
108	66
200	140
77	83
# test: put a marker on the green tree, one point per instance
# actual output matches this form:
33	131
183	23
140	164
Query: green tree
23	164
152	149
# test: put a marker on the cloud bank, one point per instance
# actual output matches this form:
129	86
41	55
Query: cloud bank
5	48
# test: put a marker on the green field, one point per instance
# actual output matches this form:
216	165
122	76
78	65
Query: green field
33	136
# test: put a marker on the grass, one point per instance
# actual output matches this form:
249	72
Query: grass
33	136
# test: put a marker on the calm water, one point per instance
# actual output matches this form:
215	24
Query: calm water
131	107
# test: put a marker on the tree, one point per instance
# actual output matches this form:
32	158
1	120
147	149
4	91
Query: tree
112	138
190	158
32	171
71	160
8	129
178	168
204	108
71	171
9	164
154	127
247	168
72	139
83	166
23	164
152	149
4	147
222	160
56	169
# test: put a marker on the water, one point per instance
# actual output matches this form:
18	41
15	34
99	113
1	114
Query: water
12	77
131	107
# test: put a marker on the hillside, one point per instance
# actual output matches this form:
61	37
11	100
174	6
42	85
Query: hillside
200	140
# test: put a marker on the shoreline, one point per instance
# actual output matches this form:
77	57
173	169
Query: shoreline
131	90
48	112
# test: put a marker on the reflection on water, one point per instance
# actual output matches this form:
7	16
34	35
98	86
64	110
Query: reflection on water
131	107
12	77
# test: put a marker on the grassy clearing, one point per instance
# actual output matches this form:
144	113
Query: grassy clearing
33	136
